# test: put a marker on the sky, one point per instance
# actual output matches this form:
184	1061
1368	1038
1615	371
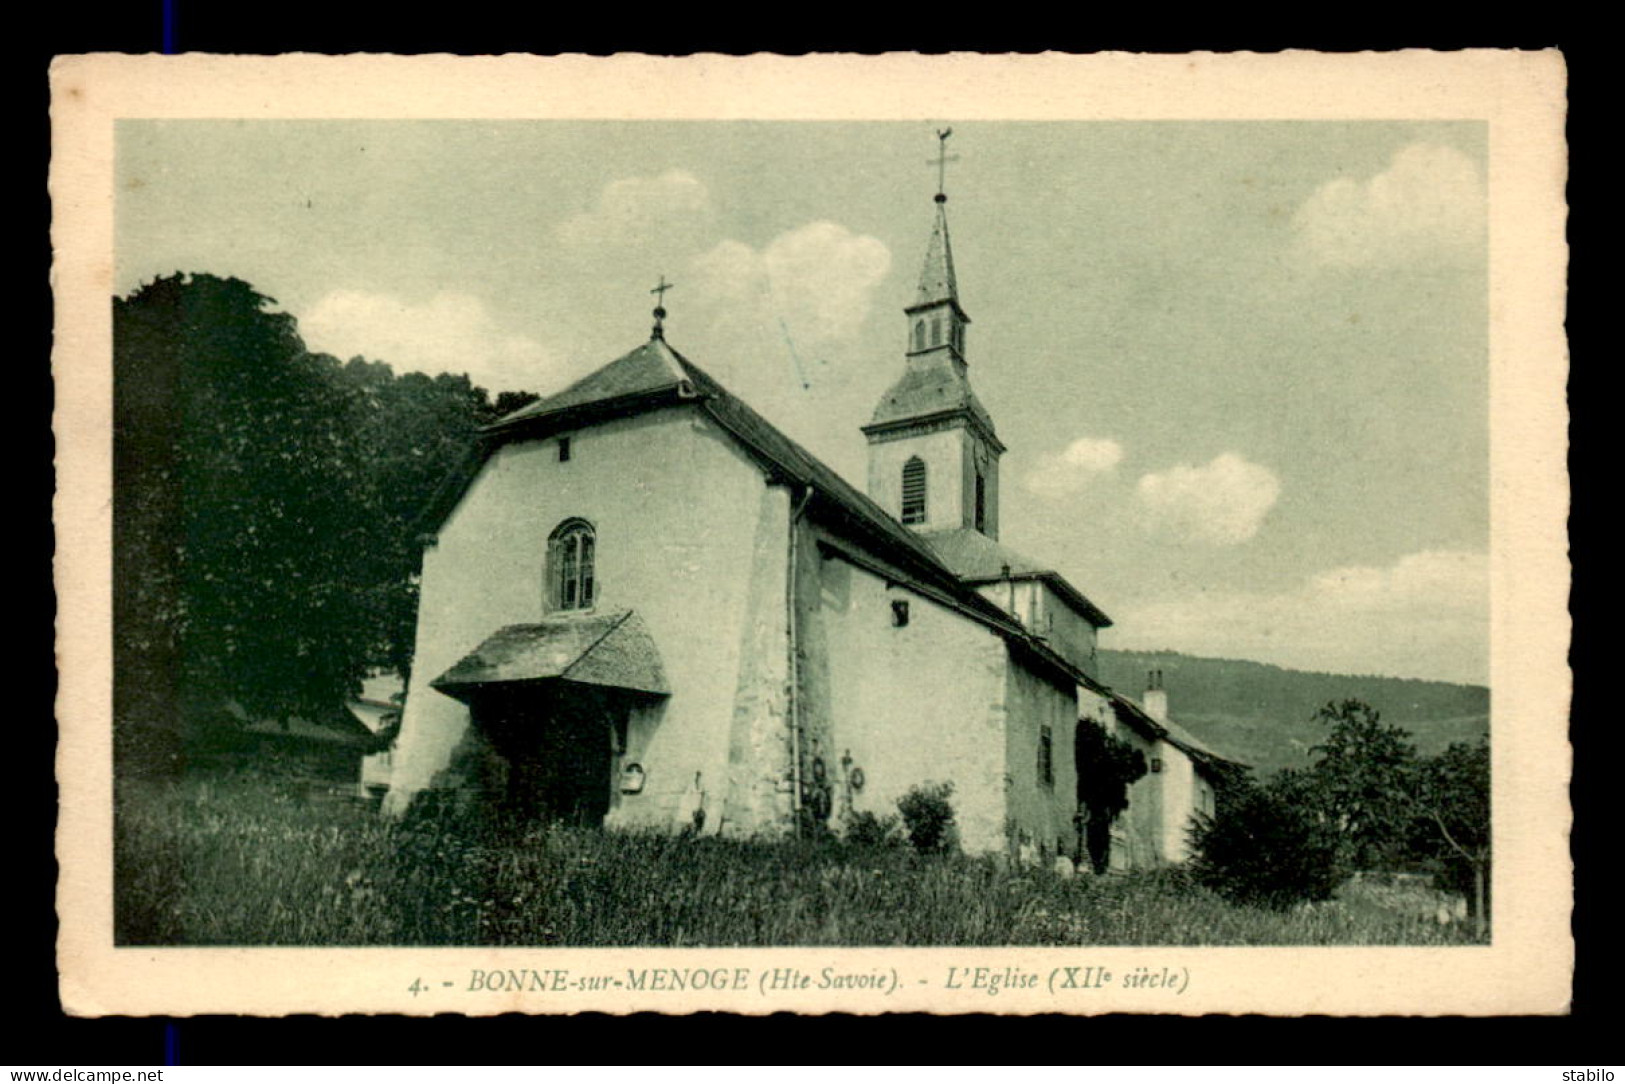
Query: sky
1241	367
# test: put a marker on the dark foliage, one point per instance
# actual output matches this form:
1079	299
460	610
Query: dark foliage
1367	803
264	555
928	816
1451	828
1365	783
1106	767
865	829
1268	849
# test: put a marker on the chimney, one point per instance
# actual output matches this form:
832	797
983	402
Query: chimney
1156	697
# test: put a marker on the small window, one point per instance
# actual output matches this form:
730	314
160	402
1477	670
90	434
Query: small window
914	490
959	337
919	335
1046	756
936	331
570	556
564	449
981	503
899	612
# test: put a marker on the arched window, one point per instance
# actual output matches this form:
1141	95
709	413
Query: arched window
914	490
936	331
570	565
919	335
981	502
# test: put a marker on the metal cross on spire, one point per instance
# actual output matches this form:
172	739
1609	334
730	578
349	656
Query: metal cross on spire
941	162
660	305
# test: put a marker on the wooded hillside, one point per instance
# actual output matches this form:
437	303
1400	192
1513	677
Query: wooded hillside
1264	715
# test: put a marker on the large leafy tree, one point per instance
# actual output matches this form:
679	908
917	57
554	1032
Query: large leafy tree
1367	802
250	499
264	510
412	429
1364	782
1452	822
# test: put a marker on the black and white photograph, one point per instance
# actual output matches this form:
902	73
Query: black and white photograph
1065	540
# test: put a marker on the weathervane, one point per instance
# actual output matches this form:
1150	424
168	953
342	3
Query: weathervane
941	162
660	306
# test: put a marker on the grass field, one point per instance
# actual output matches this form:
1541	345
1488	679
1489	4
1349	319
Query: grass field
252	863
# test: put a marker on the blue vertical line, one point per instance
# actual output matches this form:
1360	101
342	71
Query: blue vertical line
172	1036
169	30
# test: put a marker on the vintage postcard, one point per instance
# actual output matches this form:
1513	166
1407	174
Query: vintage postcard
942	534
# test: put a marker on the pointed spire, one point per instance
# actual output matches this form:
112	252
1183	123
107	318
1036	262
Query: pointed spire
937	281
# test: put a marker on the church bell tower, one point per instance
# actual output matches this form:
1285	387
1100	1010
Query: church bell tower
933	453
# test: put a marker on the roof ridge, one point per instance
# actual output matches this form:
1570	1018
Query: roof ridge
670	357
903	533
550	403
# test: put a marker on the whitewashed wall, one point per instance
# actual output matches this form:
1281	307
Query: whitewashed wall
685	526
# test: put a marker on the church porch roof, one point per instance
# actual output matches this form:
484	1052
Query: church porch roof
613	650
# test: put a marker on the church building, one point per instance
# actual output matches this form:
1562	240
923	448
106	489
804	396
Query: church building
642	605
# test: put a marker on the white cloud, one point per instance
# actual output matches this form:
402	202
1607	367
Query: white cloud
1427	205
818	279
640	210
1426	615
1068	471
449	332
1221	503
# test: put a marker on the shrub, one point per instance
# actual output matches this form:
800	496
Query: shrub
928	817
1266	850
865	829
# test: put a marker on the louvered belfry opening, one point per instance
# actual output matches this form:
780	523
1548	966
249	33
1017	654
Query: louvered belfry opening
914	491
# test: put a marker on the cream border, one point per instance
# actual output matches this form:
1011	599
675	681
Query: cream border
1520	95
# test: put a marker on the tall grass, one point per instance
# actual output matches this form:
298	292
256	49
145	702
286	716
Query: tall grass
248	863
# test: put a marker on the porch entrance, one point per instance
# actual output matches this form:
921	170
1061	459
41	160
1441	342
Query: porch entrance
554	701
561	746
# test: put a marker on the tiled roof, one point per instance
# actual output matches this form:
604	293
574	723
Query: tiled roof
931	384
655	375
845	501
977	559
651	368
1134	715
613	650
